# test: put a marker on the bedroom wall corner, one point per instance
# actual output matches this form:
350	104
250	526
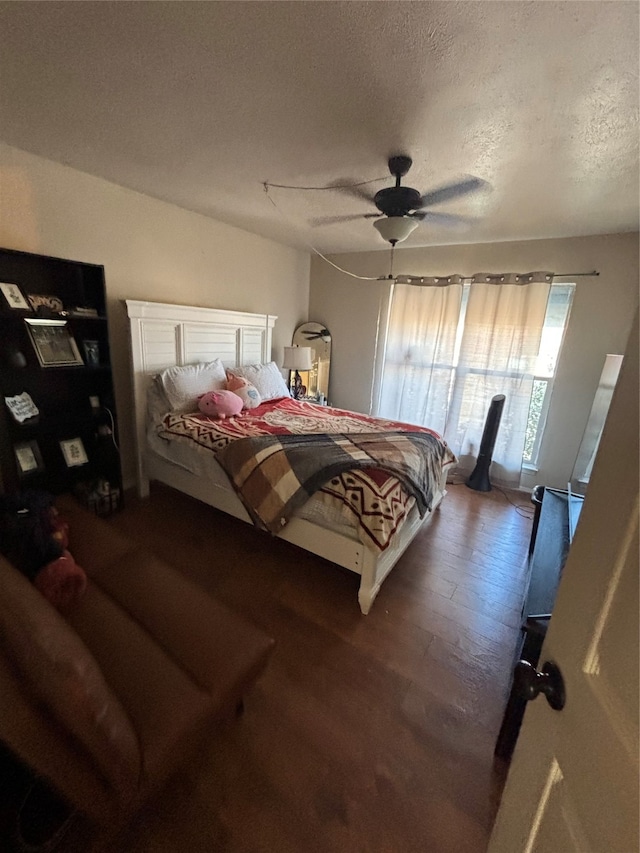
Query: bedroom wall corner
151	251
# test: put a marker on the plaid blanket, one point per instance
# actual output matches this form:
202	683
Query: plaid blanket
276	474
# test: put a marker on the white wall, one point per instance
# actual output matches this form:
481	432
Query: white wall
150	250
600	321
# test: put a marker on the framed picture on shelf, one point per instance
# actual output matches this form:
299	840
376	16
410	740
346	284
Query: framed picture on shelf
74	452
53	342
28	457
14	296
22	407
91	353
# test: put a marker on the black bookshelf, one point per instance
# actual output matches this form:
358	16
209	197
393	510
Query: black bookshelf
54	347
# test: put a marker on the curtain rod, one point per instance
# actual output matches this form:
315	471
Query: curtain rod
466	279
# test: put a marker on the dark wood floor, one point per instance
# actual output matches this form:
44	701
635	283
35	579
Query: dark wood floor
367	734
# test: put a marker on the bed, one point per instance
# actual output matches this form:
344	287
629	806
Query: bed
183	450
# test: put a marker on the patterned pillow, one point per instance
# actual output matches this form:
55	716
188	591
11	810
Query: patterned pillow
183	385
266	378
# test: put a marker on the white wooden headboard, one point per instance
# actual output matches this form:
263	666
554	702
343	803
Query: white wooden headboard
164	335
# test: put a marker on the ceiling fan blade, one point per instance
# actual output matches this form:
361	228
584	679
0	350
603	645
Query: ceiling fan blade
349	186
451	191
333	220
446	219
356	192
308	333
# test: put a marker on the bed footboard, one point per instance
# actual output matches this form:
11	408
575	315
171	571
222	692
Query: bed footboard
350	553
376	567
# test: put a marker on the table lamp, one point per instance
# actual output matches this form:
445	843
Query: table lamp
297	358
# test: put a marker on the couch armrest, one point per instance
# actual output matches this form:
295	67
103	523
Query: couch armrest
53	693
33	736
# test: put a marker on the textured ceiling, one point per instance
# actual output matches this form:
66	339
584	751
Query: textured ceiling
200	103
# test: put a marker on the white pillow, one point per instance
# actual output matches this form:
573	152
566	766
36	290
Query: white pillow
183	385
157	403
267	379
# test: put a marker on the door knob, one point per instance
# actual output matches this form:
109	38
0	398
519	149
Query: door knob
528	683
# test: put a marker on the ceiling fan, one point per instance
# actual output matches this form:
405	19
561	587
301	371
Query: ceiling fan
403	207
321	334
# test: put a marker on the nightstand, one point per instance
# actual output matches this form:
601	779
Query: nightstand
314	400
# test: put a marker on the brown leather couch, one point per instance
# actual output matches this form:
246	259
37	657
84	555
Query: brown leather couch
107	700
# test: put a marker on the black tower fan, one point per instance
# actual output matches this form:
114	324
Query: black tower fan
479	479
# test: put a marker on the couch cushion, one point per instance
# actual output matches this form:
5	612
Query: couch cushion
59	672
222	652
165	705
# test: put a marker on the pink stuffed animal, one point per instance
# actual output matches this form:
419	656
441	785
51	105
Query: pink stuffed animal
220	404
247	392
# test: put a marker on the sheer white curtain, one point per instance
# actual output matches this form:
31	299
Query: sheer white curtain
500	342
443	361
419	354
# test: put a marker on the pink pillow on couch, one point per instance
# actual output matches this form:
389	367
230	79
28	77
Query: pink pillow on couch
62	581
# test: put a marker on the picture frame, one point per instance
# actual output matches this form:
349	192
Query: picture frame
91	353
14	296
28	458
74	452
53	343
22	407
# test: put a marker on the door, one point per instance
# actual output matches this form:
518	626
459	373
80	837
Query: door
573	782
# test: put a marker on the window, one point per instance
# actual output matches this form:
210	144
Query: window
449	350
555	322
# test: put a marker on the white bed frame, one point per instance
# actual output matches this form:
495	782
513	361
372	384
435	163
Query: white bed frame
164	335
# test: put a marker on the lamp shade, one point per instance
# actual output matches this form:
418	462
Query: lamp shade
395	229
297	358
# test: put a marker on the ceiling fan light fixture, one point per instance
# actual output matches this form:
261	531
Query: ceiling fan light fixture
395	229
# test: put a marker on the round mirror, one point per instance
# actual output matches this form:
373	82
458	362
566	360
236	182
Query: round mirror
318	337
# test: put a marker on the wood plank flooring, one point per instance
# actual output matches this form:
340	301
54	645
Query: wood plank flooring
366	734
